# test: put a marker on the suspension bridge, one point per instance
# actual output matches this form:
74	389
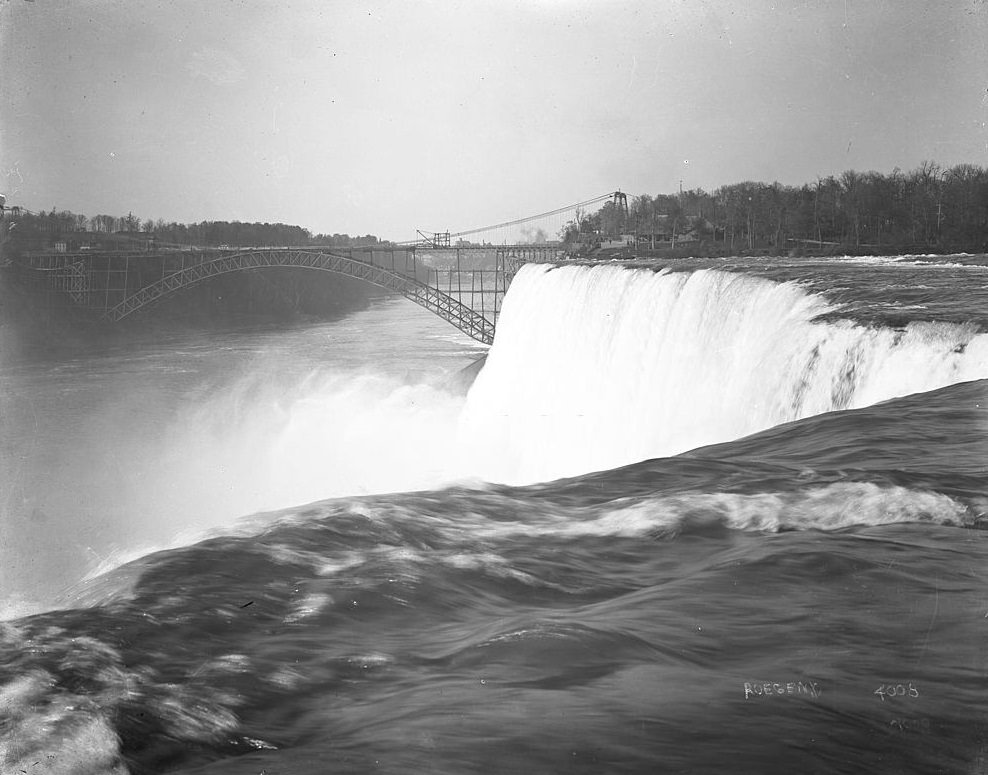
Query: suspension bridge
460	276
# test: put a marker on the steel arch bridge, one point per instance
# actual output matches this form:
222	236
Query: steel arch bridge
114	283
471	322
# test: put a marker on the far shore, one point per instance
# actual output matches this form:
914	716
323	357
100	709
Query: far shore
718	251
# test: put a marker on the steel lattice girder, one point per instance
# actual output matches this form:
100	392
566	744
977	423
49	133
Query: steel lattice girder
442	304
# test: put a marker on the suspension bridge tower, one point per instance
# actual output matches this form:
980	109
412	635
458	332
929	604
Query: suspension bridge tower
620	200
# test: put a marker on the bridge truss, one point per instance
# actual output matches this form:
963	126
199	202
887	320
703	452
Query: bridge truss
116	285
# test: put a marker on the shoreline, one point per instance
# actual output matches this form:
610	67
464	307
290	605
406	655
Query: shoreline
709	251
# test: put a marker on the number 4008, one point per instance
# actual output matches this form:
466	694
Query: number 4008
897	690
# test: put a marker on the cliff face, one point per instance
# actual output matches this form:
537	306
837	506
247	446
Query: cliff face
281	294
36	323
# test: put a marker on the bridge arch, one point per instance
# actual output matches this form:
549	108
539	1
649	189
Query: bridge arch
472	323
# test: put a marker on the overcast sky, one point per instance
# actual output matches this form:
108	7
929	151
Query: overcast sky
384	117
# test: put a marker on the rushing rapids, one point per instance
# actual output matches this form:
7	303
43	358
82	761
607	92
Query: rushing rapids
768	557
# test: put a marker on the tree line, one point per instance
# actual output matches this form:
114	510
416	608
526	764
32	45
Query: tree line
66	225
930	208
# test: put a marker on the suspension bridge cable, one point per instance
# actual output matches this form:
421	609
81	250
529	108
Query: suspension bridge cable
520	221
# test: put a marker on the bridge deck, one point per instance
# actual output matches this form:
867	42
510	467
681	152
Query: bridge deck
116	284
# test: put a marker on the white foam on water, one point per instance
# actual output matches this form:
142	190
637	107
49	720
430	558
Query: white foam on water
830	507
